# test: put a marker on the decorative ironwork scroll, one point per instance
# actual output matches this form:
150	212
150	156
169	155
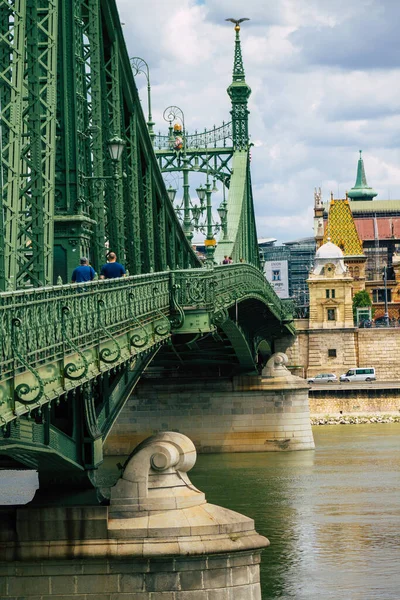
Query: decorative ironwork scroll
136	340
71	370
90	411
106	354
23	389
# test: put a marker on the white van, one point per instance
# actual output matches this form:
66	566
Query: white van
359	374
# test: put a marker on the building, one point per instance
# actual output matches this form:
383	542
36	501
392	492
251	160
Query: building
377	223
294	258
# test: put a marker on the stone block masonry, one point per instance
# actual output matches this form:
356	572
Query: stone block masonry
354	401
219	577
243	414
311	350
158	539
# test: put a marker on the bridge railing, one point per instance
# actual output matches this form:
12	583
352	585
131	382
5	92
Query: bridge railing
222	286
41	325
234	281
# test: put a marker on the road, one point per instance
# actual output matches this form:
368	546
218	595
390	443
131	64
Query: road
357	385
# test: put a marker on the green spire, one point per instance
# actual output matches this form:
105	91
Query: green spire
361	191
239	93
238	69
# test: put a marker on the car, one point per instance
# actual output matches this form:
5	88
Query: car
323	378
382	322
359	374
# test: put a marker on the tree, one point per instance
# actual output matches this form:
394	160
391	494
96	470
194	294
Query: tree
361	299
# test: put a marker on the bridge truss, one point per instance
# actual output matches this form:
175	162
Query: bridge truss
71	354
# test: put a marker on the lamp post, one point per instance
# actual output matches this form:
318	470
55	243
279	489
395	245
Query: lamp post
139	65
177	136
115	148
210	241
192	212
385	292
223	215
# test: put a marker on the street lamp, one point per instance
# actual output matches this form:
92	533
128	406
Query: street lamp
191	212
140	66
115	147
177	135
210	227
223	214
171	193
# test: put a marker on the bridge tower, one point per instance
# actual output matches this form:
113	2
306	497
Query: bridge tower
239	93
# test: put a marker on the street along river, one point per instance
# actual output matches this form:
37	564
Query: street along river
332	514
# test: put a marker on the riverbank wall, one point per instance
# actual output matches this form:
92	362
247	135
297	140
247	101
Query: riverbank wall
336	350
354	401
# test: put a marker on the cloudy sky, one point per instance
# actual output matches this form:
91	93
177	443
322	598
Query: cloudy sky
325	79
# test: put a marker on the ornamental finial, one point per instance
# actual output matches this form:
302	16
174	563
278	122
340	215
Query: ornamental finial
237	22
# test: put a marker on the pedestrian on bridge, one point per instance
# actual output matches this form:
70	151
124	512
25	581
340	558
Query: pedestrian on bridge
112	269
84	272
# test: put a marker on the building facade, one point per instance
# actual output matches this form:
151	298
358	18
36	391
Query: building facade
298	255
377	225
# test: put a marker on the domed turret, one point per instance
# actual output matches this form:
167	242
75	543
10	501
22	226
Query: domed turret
329	251
329	260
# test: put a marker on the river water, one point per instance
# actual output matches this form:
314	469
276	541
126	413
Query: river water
332	514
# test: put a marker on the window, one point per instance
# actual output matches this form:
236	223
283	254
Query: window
332	293
332	352
276	275
378	295
331	314
327	293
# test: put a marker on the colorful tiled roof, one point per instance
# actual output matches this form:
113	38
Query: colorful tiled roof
371	207
341	229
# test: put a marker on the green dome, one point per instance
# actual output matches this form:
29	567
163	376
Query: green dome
361	190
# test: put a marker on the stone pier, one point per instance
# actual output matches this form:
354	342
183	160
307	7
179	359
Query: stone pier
158	539
242	414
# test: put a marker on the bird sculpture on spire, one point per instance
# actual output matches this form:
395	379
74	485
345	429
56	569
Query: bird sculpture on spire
237	22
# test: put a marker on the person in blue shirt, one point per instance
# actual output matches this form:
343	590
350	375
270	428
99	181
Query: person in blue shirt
84	272
112	269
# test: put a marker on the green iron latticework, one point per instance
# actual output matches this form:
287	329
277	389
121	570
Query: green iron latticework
71	354
222	154
239	93
28	50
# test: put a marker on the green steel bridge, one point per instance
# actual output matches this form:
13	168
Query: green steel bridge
70	354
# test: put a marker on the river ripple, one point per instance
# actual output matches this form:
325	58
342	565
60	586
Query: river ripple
332	514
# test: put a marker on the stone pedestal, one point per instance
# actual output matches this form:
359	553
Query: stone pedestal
158	539
243	414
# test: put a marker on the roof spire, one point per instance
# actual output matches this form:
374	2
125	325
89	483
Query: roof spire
239	93
361	190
